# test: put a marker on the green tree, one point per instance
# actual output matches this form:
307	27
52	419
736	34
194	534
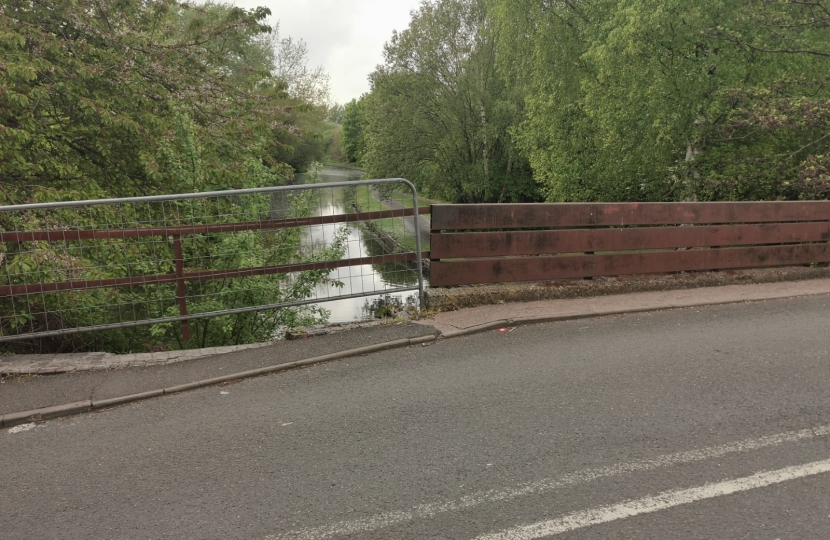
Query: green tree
439	115
769	137
290	64
336	113
354	125
120	98
653	99
307	96
87	90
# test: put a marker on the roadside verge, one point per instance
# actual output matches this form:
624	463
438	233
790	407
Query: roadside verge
444	325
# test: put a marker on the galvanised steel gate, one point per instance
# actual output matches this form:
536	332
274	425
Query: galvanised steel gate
78	266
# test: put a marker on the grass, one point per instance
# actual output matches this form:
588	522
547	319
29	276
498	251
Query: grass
341	164
366	201
364	195
405	198
394	227
408	241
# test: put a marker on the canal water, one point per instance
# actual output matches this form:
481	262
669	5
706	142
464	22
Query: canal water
360	243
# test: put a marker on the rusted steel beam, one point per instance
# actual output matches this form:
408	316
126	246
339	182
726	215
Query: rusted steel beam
207	275
466	272
181	286
570	215
38	288
105	234
514	243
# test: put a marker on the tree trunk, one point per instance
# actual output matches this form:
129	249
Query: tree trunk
485	150
691	152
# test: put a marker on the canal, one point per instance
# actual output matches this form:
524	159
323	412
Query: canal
360	242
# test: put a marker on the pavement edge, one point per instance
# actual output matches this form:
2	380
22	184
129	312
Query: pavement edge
9	420
541	319
35	415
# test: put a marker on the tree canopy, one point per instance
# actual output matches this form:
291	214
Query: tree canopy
671	100
354	125
119	98
583	100
108	97
439	114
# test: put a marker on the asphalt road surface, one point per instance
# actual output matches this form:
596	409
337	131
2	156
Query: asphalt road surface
706	423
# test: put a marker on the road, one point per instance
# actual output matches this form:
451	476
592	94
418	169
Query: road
688	424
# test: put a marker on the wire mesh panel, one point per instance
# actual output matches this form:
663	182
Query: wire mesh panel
72	267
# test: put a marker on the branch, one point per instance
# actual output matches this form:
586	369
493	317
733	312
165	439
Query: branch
819	5
739	41
808	145
8	197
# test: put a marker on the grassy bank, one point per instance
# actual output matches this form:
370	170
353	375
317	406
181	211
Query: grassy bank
342	165
404	197
366	200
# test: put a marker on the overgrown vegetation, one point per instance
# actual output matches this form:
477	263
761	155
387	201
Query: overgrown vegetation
439	114
477	101
120	98
602	100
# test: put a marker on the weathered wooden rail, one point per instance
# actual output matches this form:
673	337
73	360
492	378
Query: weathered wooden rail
496	243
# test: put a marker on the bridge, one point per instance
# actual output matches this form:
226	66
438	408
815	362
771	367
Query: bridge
668	414
86	266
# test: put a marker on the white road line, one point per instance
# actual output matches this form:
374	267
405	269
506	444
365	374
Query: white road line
21	428
389	519
663	501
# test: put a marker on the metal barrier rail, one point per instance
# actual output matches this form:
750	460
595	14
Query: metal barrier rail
145	260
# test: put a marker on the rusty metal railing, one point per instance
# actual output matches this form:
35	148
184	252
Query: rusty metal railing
79	266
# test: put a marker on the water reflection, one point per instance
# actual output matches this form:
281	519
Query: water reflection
360	242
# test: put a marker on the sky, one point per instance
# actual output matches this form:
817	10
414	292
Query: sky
346	37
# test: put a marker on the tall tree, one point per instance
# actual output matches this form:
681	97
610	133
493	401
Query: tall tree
308	95
354	125
439	115
307	84
652	99
335	113
88	90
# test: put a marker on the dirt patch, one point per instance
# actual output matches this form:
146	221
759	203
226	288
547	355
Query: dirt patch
452	298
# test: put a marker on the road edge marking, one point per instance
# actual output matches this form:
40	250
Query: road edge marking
663	501
392	518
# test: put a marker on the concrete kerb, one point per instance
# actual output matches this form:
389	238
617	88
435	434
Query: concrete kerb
542	319
112	402
47	413
35	415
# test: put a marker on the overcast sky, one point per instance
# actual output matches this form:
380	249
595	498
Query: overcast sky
346	37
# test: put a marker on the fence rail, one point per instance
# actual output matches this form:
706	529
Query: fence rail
79	266
147	257
492	243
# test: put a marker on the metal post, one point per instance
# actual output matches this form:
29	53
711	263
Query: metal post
416	221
